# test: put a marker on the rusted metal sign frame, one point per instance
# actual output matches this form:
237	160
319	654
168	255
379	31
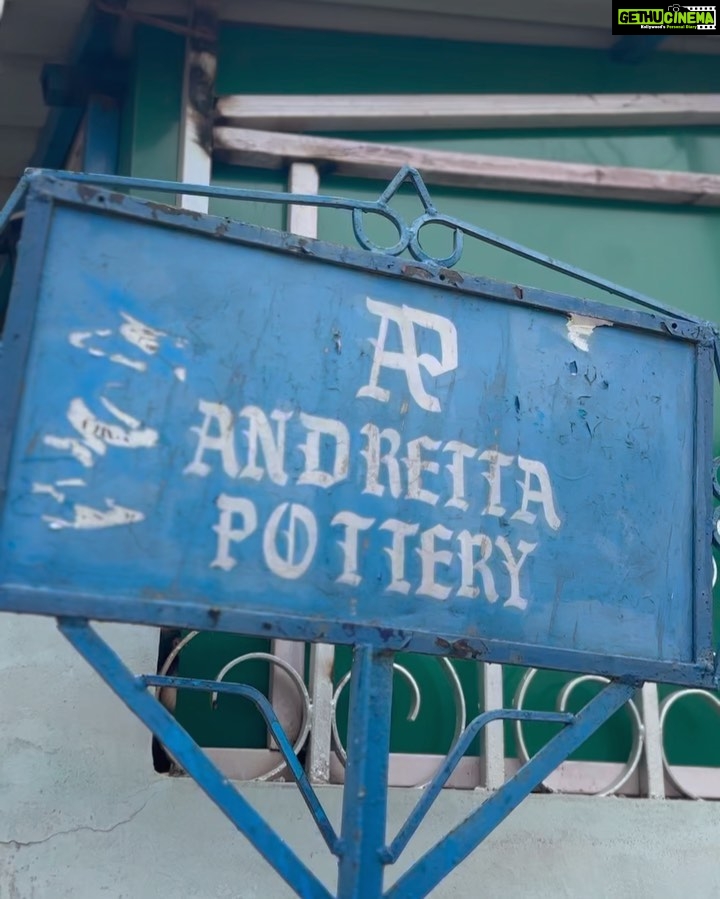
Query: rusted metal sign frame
360	847
76	191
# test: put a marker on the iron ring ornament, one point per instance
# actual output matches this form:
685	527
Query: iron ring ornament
408	234
716	514
296	679
638	740
414	711
678	696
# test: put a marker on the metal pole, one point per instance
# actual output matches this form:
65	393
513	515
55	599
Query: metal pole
365	796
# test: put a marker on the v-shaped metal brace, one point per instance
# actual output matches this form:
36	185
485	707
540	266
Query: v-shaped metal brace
361	847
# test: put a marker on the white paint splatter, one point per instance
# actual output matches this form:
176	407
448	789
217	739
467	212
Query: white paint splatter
98	435
180	373
580	327
140	335
50	490
130	363
144	337
87	518
78	450
78	338
71	482
119	414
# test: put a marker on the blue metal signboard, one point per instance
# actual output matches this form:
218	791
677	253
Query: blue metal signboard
219	429
213	426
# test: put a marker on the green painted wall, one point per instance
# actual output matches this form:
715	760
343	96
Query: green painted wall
667	252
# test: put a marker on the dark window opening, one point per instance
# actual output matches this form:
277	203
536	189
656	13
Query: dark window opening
9	240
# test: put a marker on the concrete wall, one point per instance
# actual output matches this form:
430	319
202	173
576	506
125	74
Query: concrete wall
84	815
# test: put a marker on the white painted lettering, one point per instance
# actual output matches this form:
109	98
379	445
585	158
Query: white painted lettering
513	566
374	459
229	507
223	442
273	445
314	474
400	531
408	361
353	524
430	557
544	495
497	461
416	466
286	566
460	451
468	543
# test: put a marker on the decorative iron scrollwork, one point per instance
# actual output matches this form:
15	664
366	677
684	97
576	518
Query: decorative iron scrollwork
458	697
638	741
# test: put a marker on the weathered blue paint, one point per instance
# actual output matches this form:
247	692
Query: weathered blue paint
145	351
364	814
606	415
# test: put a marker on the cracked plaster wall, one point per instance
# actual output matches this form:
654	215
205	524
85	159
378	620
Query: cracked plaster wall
84	816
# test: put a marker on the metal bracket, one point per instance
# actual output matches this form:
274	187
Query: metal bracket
361	848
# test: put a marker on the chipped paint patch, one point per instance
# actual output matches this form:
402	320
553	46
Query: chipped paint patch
50	490
141	335
98	435
120	359
180	373
78	338
581	327
71	482
78	450
119	414
87	518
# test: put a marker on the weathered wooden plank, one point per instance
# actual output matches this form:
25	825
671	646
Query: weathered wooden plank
195	162
379	112
471	22
267	149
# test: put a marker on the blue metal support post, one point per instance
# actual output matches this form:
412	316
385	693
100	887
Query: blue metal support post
133	692
365	796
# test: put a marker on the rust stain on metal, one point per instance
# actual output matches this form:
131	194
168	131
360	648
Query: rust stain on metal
449	274
417	271
174	210
459	648
86	192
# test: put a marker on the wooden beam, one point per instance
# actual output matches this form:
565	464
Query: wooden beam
267	149
433	112
195	156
